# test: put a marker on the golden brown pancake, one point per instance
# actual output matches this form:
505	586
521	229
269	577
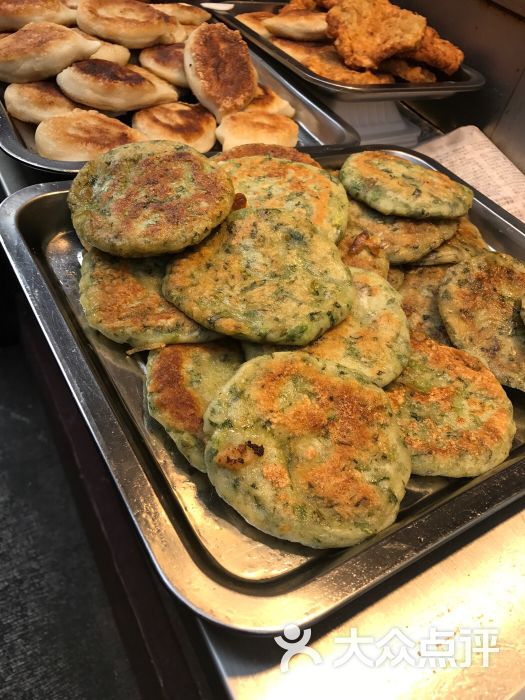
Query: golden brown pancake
34	102
254	20
266	100
128	22
219	69
299	25
82	135
177	121
184	14
324	60
15	14
181	380
106	85
167	62
263	149
40	50
256	127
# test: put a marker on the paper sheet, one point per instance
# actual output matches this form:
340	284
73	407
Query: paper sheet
468	153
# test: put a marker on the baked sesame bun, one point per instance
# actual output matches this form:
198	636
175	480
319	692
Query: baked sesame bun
108	51
15	14
256	127
81	135
266	100
167	62
219	69
40	50
128	22
176	121
185	14
106	85
34	102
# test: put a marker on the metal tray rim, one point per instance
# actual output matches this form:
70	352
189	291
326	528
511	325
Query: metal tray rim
252	611
397	91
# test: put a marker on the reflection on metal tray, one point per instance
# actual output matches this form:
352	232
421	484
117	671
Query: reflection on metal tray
465	79
317	125
206	554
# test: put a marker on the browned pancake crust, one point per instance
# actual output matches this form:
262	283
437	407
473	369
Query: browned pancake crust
175	401
222	66
149	198
169	55
262	149
107	73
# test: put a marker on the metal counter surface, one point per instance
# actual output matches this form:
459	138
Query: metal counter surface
475	582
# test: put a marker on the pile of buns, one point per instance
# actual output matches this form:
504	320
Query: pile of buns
87	76
358	42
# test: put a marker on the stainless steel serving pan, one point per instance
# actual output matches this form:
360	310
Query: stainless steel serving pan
318	125
206	554
466	79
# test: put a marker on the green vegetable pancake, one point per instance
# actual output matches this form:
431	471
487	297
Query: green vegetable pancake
148	198
122	299
306	450
480	303
454	415
394	185
305	190
264	276
181	380
402	240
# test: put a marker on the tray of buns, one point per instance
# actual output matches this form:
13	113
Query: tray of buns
209	544
300	38
72	92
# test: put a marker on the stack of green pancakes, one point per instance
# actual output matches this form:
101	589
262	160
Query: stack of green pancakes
300	325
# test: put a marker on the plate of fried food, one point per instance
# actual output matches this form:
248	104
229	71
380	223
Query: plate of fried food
322	359
81	80
282	361
356	49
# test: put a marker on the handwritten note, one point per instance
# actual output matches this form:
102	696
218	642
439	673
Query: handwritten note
468	153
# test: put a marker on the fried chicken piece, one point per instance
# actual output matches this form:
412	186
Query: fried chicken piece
407	71
436	52
294	5
323	60
368	31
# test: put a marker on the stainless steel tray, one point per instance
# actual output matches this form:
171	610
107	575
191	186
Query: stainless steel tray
206	554
466	79
318	125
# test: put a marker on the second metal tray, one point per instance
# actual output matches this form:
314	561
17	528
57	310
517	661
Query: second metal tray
466	79
318	125
206	554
